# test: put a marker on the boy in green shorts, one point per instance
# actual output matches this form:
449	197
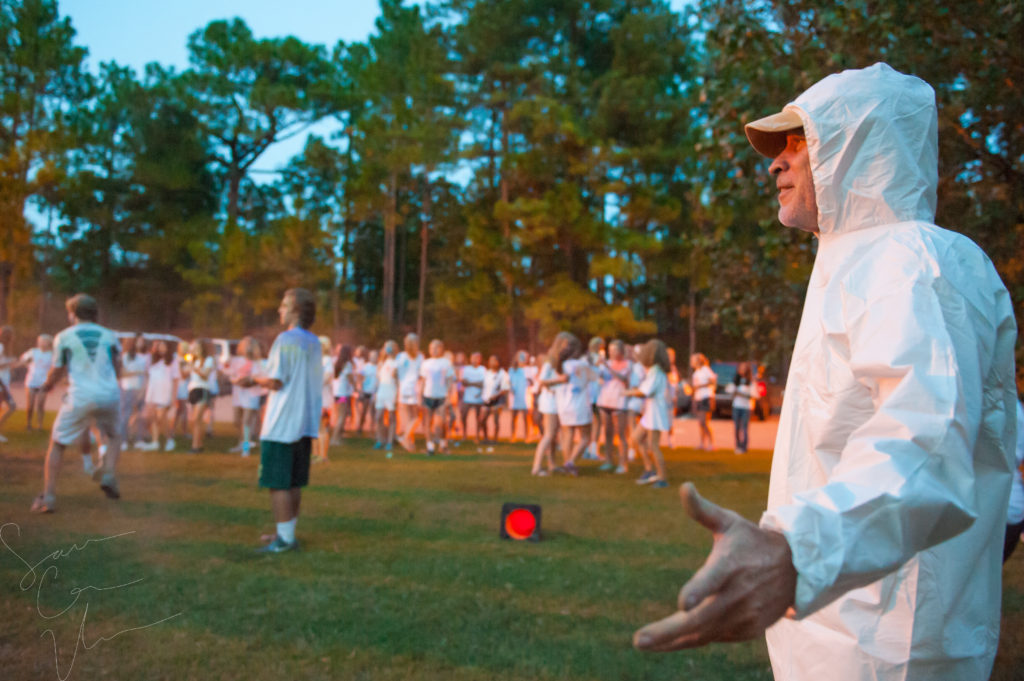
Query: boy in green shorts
292	419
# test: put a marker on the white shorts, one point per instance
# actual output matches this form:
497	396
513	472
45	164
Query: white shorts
74	419
385	397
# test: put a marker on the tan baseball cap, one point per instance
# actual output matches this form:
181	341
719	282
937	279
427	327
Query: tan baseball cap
768	135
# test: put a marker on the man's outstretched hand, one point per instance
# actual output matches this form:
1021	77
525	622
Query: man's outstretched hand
746	584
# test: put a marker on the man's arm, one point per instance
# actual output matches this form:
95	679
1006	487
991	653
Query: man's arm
277	369
904	481
745	585
53	377
266	382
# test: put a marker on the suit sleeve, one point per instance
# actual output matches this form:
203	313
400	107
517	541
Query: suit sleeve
905	478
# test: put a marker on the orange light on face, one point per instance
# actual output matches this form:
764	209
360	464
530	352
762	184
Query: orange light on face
520	522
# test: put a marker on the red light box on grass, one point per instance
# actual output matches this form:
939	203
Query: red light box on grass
520	522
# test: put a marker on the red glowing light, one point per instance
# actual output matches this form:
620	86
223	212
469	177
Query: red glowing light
520	524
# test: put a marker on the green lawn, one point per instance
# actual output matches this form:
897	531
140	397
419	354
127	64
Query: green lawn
402	574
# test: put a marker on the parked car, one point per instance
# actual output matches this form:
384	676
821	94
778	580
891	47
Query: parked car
769	391
121	335
726	372
684	397
769	400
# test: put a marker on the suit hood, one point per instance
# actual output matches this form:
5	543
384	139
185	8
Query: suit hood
872	139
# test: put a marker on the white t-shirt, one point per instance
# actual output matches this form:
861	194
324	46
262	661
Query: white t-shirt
408	376
327	387
656	409
594	389
473	374
703	383
573	397
160	383
197	381
231	370
39	363
613	391
88	351
494	383
369	373
742	395
518	385
5	371
436	372
387	386
342	385
546	399
249	397
137	365
293	412
184	371
636	377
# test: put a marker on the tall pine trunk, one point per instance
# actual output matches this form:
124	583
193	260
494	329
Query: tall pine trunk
510	317
388	283
424	232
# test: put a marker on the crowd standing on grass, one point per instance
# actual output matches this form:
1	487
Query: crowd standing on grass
613	403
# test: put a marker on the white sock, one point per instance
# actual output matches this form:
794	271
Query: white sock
286	530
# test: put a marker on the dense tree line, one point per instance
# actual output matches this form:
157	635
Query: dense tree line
501	170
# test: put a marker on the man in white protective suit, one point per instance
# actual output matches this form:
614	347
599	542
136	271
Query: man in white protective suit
879	555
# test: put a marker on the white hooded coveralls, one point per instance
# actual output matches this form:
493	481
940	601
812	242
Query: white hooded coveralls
895	445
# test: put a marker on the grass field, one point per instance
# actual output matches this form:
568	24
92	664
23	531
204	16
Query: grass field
401	574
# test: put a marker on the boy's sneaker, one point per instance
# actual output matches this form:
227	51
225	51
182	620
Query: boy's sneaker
378	444
659	483
606	466
109	486
430	447
88	466
42	504
647	478
571	469
278	545
169	445
621	470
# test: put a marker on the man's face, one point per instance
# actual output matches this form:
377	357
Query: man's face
798	206
289	315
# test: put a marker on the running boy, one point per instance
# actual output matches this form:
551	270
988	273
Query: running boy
89	355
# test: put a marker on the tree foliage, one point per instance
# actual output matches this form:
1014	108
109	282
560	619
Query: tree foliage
501	170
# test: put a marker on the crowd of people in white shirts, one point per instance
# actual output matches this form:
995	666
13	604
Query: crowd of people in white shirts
613	403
